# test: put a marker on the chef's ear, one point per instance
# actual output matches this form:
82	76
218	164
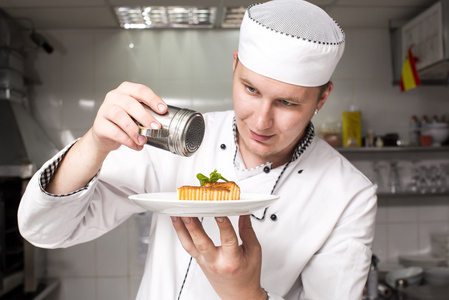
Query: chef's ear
325	94
236	58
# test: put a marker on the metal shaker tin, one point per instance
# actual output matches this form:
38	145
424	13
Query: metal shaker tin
182	130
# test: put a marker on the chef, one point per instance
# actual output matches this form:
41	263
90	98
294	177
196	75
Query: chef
313	243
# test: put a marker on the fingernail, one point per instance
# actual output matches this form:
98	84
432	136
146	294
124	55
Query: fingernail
141	139
154	125
186	220
174	219
220	219
161	106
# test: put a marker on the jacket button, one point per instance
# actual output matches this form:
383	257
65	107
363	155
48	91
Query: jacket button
223	146
273	217
266	170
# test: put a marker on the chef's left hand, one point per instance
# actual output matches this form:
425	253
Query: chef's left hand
232	269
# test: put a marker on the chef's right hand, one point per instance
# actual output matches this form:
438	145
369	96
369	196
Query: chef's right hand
114	124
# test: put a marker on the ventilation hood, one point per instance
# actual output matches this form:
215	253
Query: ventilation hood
24	146
428	35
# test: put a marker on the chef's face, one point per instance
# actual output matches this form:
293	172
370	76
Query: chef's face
271	115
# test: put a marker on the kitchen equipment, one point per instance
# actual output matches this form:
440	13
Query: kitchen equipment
331	133
418	182
182	130
425	140
373	279
169	204
384	291
394	180
438	131
24	147
414	131
436	276
426	292
352	127
410	276
22	266
380	176
421	260
391	140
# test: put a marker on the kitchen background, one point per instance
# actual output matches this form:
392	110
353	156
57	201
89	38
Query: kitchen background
193	69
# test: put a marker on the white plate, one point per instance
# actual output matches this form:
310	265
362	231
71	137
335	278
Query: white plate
168	203
413	275
421	260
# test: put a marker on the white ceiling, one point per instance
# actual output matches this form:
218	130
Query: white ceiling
99	14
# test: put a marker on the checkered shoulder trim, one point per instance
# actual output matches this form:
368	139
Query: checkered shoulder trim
305	142
49	171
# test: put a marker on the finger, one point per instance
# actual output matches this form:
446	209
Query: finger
119	116
116	135
129	97
184	237
201	240
109	135
228	237
249	238
133	107
144	94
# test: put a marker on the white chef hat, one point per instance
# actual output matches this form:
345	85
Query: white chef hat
292	41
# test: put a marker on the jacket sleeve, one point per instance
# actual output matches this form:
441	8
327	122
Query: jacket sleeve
53	221
342	263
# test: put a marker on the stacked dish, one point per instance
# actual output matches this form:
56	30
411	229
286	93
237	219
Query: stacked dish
412	275
437	276
421	260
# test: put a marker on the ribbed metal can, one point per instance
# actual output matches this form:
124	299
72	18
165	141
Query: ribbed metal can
182	130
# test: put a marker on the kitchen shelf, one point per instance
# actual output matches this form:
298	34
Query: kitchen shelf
412	154
412	195
395	153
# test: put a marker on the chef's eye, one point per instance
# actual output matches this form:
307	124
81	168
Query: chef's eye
250	89
286	103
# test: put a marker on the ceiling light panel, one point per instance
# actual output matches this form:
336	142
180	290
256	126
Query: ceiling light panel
232	17
166	17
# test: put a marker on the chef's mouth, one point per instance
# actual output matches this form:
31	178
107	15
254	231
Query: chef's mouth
259	137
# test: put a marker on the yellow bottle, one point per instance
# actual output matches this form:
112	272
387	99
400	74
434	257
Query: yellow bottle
352	128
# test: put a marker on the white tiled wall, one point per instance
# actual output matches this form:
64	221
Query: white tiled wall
194	69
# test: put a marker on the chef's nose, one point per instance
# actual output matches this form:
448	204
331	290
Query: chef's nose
263	115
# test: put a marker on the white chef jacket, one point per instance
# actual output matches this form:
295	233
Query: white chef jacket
315	239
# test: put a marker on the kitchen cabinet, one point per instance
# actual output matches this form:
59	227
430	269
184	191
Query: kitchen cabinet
436	156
